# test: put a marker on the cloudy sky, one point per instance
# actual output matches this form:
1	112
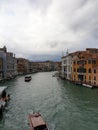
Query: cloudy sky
45	29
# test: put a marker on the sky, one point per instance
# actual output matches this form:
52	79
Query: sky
46	29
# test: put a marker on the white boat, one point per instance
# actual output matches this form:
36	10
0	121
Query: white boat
87	85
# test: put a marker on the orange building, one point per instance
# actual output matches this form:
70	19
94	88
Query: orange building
85	67
95	77
78	66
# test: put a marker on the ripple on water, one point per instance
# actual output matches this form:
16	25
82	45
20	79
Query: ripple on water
63	105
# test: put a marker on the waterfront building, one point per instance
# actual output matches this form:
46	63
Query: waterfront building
81	67
3	68
46	66
67	66
64	70
30	69
85	67
11	65
78	66
57	66
15	67
95	76
35	67
22	66
9	68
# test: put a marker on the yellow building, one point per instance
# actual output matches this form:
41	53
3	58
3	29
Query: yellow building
85	67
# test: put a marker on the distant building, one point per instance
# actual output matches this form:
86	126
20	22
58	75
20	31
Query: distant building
23	66
57	66
35	67
45	66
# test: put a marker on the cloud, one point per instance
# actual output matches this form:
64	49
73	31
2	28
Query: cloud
30	27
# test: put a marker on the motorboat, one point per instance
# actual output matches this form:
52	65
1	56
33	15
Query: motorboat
3	98
28	78
87	85
36	122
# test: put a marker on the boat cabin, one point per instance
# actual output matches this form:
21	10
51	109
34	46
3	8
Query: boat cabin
28	77
37	122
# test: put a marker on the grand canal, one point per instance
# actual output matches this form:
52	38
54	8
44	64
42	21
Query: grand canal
63	105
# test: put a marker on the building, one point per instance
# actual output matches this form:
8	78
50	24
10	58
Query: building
57	66
11	65
84	67
67	66
4	49
81	67
3	64
23	66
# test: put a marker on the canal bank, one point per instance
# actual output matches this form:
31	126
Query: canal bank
63	105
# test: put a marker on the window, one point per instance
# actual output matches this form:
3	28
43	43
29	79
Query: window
89	77
85	77
89	61
89	82
74	70
64	61
84	70
94	71
89	70
74	62
64	69
85	62
94	77
74	77
94	62
78	62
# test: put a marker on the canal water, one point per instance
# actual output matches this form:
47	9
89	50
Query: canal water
63	105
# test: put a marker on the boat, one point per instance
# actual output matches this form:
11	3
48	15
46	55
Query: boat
28	78
3	98
36	122
87	85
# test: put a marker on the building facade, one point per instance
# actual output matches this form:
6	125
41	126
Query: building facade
11	65
3	64
67	66
81	67
23	66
